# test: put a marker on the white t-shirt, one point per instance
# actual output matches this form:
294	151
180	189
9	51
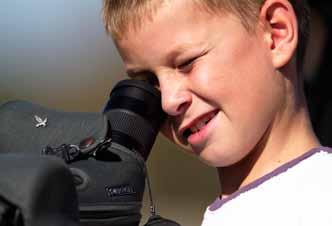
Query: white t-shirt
299	193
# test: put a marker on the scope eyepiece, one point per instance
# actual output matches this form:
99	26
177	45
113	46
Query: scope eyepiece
135	115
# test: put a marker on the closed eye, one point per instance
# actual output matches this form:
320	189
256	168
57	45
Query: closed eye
187	65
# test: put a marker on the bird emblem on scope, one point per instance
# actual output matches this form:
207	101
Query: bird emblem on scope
40	122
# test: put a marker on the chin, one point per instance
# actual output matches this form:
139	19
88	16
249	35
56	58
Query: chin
217	159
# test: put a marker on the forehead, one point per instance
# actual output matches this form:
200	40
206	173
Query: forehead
140	14
171	24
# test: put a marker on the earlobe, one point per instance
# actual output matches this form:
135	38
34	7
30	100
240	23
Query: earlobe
281	27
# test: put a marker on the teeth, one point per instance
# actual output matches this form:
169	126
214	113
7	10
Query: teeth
200	124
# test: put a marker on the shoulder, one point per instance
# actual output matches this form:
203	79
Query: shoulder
300	190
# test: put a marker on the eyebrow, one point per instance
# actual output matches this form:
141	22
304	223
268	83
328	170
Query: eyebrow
178	50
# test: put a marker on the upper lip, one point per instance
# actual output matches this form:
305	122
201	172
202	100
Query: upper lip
194	121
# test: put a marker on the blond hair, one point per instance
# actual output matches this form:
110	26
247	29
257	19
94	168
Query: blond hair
118	15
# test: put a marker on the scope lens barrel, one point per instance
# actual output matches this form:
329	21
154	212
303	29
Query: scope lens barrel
135	115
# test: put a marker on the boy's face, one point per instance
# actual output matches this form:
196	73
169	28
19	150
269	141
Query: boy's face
217	81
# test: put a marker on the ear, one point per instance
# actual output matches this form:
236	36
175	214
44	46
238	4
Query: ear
281	28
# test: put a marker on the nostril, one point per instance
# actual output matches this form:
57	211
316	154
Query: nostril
173	107
182	107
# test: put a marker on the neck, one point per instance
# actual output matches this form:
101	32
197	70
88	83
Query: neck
285	139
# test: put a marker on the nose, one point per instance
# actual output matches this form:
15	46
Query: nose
175	97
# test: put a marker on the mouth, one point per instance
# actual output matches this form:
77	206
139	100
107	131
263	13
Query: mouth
198	124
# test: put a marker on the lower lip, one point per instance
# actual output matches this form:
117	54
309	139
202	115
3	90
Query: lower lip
200	137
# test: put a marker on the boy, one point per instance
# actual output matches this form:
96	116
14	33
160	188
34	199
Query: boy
229	72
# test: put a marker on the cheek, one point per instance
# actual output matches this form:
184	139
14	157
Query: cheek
249	97
240	79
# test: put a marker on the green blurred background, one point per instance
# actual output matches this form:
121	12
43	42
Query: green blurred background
56	53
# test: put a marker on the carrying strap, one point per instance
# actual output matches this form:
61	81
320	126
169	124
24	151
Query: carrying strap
71	152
